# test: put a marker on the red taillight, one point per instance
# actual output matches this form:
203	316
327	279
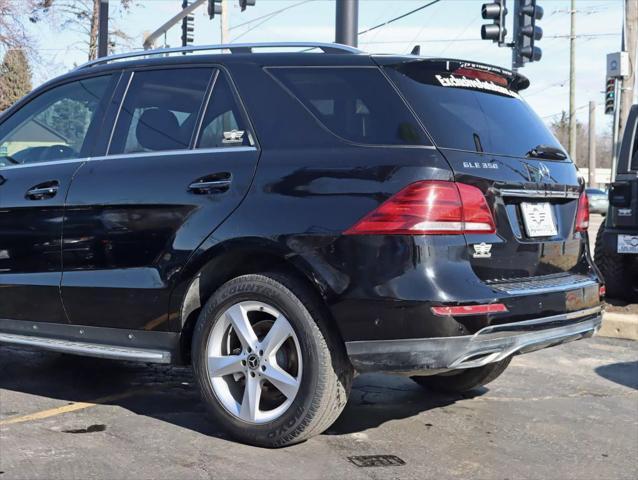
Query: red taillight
429	207
582	214
469	310
602	291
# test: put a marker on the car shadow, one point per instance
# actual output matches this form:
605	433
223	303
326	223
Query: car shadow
170	394
376	399
623	373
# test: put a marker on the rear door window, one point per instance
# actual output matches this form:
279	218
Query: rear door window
470	107
223	125
160	110
355	103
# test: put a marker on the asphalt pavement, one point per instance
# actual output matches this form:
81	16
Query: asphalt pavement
570	412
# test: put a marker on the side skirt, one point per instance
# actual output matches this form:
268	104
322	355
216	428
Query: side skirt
102	342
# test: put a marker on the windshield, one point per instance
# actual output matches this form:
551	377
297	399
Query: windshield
472	107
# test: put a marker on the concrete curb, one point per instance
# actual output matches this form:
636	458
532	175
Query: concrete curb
619	325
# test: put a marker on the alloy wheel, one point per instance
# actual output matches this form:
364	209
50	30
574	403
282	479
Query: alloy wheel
254	362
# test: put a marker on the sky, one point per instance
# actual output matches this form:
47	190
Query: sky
449	28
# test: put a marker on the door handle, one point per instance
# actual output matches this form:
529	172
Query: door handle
43	191
216	183
2	179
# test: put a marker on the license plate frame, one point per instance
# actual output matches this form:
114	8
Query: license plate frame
538	219
627	244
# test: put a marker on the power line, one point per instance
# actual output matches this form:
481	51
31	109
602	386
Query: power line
565	112
460	34
388	22
446	40
270	15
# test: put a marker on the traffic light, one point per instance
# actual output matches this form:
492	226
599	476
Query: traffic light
496	31
214	8
188	27
610	96
246	3
526	33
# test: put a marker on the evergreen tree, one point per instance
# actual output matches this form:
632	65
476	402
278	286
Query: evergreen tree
15	78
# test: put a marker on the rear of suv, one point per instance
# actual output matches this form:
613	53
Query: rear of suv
282	220
616	249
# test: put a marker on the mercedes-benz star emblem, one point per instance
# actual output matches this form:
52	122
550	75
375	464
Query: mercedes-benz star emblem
253	361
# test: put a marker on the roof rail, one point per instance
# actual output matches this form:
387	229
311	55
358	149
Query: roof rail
232	47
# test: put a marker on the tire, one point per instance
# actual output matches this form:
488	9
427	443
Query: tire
319	362
464	380
612	266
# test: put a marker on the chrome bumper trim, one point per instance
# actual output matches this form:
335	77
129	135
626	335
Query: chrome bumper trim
531	287
87	349
515	192
488	345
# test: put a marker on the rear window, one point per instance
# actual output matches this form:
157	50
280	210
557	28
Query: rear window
470	107
355	103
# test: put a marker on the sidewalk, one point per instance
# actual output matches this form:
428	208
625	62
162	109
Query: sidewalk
620	320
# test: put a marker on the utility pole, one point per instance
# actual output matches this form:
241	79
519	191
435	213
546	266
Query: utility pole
347	22
572	82
592	144
224	38
627	83
103	29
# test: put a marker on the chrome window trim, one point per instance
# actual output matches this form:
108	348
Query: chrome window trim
138	154
119	110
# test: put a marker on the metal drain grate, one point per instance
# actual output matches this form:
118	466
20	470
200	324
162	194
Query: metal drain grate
377	461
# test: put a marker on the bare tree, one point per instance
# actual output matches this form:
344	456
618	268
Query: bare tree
14	16
83	17
560	128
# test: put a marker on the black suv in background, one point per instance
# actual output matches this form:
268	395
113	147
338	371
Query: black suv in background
616	249
281	219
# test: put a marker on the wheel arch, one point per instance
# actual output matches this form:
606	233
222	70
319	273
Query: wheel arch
231	259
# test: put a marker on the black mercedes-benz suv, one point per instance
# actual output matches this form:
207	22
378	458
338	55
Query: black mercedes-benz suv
282	216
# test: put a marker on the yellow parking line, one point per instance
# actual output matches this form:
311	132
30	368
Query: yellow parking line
73	407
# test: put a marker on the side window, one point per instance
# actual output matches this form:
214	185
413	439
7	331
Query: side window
357	104
160	110
54	125
223	124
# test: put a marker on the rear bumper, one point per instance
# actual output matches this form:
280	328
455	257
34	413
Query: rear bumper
488	345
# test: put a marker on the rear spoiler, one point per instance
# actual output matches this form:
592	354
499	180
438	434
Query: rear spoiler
515	81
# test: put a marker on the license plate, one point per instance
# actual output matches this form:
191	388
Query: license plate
627	243
539	219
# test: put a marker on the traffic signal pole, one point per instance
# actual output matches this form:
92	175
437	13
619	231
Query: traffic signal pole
103	29
347	22
150	40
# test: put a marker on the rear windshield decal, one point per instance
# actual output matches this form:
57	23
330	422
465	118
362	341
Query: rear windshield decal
464	82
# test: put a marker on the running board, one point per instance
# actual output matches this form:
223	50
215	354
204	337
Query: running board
88	349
